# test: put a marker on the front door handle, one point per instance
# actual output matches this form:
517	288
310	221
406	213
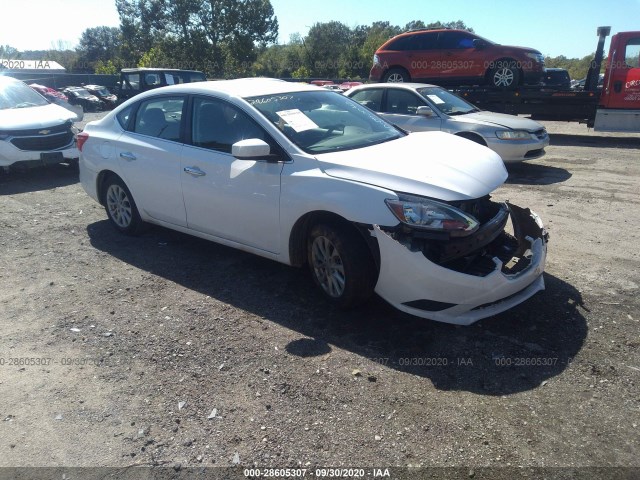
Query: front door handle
127	155
617	86
195	171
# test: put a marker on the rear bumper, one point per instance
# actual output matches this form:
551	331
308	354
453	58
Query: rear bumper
415	285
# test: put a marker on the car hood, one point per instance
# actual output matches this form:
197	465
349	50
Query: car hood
432	164
34	117
499	120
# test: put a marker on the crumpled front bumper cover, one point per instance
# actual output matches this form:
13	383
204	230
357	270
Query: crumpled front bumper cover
415	285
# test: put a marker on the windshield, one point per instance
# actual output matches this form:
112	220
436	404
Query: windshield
321	122
19	95
446	102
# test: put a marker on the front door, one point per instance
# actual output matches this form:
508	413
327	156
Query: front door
622	85
238	200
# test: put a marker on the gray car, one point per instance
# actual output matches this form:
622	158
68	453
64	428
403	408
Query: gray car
418	107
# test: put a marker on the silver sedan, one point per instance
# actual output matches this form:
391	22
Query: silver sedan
417	107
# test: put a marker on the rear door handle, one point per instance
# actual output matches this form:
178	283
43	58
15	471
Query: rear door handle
195	171
127	155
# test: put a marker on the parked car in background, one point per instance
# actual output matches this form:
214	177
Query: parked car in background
322	83
33	131
82	97
108	99
137	80
333	87
417	107
579	84
51	94
344	86
300	175
557	78
455	57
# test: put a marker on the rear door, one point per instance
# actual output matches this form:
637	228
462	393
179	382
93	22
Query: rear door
149	156
622	86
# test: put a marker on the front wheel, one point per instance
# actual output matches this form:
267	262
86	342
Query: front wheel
341	264
121	208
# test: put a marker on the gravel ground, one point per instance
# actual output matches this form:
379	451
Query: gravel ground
169	350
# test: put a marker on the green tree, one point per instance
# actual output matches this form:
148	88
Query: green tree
99	43
325	45
8	52
221	37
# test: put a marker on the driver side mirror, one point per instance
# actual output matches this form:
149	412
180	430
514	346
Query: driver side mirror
253	149
425	111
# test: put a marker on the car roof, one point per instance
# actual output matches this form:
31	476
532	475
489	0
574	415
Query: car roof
159	69
242	87
402	85
94	87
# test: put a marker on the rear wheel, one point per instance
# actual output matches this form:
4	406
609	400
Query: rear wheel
120	206
396	75
341	264
504	74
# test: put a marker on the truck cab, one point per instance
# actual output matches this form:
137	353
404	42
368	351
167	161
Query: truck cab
619	105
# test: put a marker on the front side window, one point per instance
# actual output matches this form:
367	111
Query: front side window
217	125
322	122
403	102
632	53
160	118
370	98
131	81
456	40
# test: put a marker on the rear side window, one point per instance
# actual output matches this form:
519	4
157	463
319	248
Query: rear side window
371	98
124	116
416	41
131	81
160	118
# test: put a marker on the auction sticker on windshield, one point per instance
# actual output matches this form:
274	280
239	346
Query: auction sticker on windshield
435	99
297	120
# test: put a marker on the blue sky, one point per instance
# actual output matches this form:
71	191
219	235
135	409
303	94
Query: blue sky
553	27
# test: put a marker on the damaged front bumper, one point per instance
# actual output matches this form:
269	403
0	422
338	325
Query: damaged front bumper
499	272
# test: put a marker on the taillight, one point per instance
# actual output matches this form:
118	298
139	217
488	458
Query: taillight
80	139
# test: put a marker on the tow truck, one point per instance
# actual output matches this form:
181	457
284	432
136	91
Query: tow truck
615	107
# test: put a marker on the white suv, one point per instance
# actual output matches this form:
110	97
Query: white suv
32	130
303	176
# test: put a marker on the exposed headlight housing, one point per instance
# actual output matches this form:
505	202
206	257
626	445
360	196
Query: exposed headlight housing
513	135
376	60
433	216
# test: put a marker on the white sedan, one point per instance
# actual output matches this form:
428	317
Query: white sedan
303	176
418	107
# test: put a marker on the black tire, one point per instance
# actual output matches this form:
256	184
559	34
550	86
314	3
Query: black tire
504	74
396	75
120	206
341	264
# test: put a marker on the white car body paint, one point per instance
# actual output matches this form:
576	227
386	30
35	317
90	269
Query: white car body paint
259	202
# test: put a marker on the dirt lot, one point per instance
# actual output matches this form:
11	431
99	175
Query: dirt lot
131	345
